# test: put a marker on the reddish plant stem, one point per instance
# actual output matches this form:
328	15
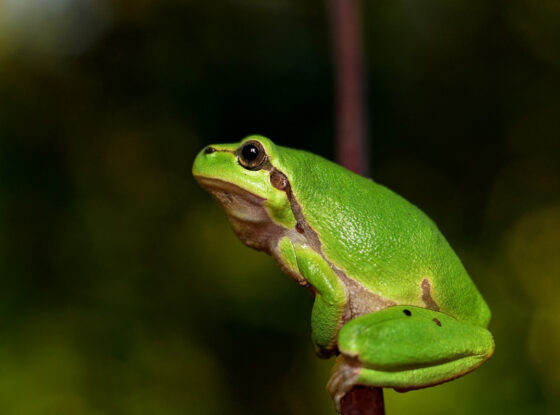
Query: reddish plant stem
351	147
351	144
363	400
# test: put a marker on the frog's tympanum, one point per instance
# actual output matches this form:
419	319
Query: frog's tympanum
392	299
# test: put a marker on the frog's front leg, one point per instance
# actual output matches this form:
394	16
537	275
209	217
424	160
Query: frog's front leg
404	348
330	298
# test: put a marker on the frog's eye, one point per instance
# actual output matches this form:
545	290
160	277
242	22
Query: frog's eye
251	155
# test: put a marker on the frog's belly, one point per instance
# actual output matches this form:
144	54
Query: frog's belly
360	300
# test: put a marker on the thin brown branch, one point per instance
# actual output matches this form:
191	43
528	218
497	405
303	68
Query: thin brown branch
363	400
351	147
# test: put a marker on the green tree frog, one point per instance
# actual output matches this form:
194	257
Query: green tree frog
391	297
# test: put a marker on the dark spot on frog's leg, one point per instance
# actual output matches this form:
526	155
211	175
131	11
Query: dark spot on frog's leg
435	320
299	228
427	295
407	312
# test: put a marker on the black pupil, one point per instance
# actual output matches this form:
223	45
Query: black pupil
250	152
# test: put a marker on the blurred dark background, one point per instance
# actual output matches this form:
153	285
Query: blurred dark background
123	289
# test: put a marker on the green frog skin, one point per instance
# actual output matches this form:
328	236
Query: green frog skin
392	299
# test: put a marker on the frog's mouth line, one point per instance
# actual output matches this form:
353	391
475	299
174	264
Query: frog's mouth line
242	207
213	186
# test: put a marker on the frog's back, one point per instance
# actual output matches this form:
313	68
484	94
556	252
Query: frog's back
381	240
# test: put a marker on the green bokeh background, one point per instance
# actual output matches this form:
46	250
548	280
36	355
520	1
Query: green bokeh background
123	290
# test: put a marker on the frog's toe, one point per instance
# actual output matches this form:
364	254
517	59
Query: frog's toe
345	375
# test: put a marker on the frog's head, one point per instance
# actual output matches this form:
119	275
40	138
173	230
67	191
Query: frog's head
253	192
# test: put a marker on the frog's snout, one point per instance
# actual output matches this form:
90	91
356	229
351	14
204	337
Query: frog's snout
203	160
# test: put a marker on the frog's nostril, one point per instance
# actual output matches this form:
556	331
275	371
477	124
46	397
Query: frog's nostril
209	150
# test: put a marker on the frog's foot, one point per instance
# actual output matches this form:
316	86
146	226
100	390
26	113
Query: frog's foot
406	347
344	376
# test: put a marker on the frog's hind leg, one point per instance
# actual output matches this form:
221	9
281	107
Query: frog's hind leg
404	348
